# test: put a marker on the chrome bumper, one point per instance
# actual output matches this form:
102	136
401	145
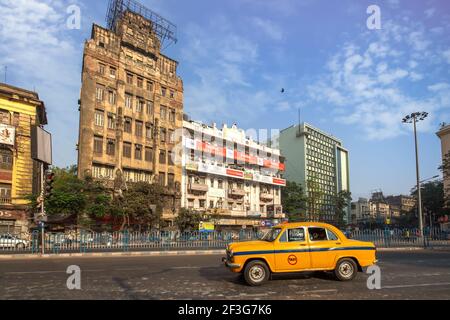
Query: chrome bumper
229	264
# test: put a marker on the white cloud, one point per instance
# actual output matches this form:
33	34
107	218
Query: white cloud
374	98
446	55
268	27
429	12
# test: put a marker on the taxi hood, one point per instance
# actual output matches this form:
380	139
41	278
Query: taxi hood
249	245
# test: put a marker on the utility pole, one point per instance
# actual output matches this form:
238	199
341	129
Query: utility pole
414	118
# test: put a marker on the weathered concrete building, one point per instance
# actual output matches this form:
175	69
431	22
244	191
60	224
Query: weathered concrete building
19	174
131	101
444	135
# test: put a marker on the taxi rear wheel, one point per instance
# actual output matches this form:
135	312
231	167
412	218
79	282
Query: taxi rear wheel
256	273
346	269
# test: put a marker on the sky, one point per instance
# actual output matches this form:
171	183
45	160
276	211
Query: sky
235	56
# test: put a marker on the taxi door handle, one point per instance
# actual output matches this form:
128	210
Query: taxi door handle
338	242
303	245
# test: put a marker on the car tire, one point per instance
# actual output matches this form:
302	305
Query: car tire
346	269
256	273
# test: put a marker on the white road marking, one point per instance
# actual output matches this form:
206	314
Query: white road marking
417	285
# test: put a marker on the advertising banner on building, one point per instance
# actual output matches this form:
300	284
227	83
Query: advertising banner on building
7	134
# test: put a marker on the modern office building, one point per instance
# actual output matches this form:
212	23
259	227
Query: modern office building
444	135
231	178
131	101
319	162
20	109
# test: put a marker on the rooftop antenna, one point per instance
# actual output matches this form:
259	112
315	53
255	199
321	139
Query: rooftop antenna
299	132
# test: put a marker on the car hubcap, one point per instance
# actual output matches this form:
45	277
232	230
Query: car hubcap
346	269
257	273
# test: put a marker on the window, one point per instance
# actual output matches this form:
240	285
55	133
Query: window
171	180
149	86
171	136
331	235
149	107
148	154
127	150
172	115
220	184
129	78
127	125
5	191
128	101
140	82
191	203
202	203
170	159
297	234
111	147
112	97
6	159
172	94
5	116
163	113
163	91
111	120
138	152
149	130
317	234
139	105
112	72
138	128
162	157
99	118
98	145
162	135
162	179
101	68
99	93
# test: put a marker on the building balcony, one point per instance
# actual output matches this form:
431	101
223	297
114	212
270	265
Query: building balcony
266	197
236	192
198	187
5	200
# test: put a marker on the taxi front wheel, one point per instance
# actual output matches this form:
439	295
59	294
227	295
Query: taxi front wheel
256	273
346	269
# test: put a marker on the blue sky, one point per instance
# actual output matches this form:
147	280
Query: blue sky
236	55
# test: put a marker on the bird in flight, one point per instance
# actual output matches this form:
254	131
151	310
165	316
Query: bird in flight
282	90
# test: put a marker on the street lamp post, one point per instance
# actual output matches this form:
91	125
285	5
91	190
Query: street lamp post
414	118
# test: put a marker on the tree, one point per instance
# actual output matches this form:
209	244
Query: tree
341	201
294	200
433	202
445	168
188	220
140	204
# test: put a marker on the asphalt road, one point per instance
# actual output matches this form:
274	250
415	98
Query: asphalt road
404	275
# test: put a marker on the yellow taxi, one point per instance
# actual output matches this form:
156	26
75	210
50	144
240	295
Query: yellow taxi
296	247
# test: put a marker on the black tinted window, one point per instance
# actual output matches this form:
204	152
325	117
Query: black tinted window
317	234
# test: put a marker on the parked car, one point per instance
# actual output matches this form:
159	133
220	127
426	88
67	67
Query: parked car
13	242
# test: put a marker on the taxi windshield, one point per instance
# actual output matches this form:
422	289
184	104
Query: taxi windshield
271	235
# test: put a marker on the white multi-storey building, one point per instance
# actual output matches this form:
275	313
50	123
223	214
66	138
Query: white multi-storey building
231	178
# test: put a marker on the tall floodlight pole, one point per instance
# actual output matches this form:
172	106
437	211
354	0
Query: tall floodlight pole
414	118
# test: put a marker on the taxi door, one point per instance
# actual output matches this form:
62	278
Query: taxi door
323	244
292	251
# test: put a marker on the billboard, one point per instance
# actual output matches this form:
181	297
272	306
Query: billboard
7	134
41	145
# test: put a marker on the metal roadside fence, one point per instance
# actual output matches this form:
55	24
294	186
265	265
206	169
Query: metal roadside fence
127	241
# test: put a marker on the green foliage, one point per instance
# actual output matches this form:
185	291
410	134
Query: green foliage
341	201
188	220
433	201
294	201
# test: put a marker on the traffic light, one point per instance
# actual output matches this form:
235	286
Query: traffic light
49	179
